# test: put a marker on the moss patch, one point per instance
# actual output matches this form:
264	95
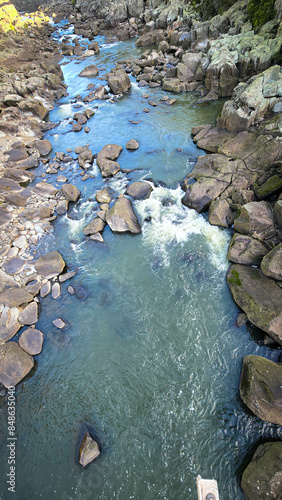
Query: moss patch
260	12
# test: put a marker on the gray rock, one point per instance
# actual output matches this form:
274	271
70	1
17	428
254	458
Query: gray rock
85	156
45	189
13	297
59	323
66	276
50	265
132	145
95	226
139	190
31	341
89	450
103	196
29	315
15	364
262	478
106	157
62	207
6	281
121	217
257	220
56	291
244	249
259	297
89	71
220	213
9	324
271	264
70	192
45	289
15	265
119	82
43	146
260	388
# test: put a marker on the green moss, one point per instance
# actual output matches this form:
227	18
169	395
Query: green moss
260	12
234	278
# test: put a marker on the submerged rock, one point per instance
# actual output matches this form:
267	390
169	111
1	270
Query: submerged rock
121	217
259	297
89	450
15	364
260	388
89	71
262	478
59	323
50	265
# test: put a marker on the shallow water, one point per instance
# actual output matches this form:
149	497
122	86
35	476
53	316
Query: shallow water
151	357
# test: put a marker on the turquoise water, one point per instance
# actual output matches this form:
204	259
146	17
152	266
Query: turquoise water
151	357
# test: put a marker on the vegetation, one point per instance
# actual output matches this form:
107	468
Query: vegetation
260	12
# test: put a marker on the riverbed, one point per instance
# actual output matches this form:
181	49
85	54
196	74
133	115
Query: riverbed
151	357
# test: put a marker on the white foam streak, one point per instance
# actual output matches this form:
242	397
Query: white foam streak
175	223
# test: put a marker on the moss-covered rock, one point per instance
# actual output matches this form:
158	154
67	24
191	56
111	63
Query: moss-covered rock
271	186
262	478
260	388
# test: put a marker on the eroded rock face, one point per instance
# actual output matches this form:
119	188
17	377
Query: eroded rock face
89	450
15	364
259	297
272	263
260	388
256	219
263	477
244	249
50	265
121	217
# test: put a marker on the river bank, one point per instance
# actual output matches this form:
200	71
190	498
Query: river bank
108	158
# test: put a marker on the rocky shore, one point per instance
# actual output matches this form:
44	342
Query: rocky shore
238	181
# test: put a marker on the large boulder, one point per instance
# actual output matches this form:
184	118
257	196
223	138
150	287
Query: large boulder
9	324
15	364
95	226
222	74
246	250
119	82
256	219
139	190
85	157
44	147
31	341
260	388
13	297
220	213
106	157
50	265
33	107
70	192
121	217
29	315
6	281
89	71
89	450
262	478
271	264
259	297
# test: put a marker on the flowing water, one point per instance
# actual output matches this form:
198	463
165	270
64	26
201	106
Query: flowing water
151	357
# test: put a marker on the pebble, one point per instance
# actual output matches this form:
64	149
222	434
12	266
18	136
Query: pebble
59	323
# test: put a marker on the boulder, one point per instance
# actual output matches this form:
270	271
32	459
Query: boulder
43	146
13	297
269	187
260	388
31	341
271	264
29	315
85	156
15	364
146	39
6	281
278	213
256	219
220	213
50	265
246	250
33	107
89	450
45	189
106	157
121	217
103	196
222	74
9	324
173	85
139	190
259	297
119	82
95	226
89	71
262	478
184	73
70	192
132	145
80	118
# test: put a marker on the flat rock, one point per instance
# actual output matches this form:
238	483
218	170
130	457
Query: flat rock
5	217
103	196
256	219
259	297
6	281
132	145
66	276
45	289
262	478
89	71
50	265
9	324
14	265
139	190
89	450
31	341
15	364
29	315
260	388
45	189
220	213
121	217
59	323
97	237
244	249
14	297
70	192
271	264
43	146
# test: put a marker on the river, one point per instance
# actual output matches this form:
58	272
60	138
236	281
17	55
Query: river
151	357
